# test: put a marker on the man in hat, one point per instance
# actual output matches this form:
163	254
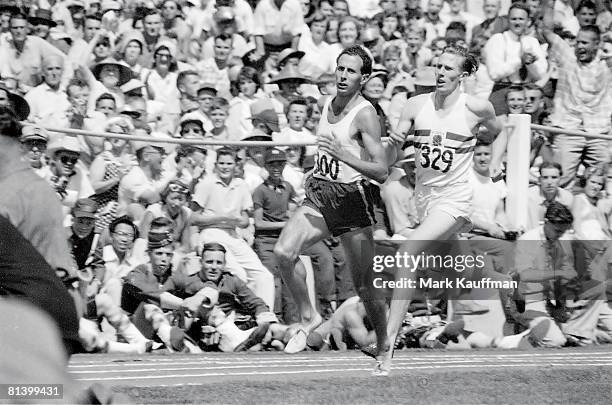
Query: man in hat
42	23
27	201
289	82
34	145
143	183
215	69
66	177
82	232
336	203
48	101
21	61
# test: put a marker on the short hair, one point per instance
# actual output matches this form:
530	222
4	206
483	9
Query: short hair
151	11
357	50
551	165
558	213
456	25
391	50
250	73
124	220
17	16
420	31
223	37
106	96
96	17
317	16
77	83
483	142
532	86
586	3
594	29
219	103
470	62
225	151
183	74
297	101
520	6
212	247
515	88
596	170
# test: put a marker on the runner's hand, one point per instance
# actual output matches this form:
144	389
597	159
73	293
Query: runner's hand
330	144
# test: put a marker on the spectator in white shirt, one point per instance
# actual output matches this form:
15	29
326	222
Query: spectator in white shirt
317	57
513	57
277	25
143	183
297	114
48	101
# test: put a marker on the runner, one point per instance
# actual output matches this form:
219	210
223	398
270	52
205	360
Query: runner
445	125
338	200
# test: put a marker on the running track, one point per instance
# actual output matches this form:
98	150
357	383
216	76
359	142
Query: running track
158	370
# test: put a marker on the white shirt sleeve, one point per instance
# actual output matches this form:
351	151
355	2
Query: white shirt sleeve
500	63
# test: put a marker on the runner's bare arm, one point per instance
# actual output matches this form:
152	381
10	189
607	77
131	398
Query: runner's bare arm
489	125
368	125
399	135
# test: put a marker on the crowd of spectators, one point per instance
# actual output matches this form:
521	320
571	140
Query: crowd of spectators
180	238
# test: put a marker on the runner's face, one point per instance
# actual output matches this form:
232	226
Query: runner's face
348	74
448	72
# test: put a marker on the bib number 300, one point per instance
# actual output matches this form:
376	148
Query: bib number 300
434	157
329	168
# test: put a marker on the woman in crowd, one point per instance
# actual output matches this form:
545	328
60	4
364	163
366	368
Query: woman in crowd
109	167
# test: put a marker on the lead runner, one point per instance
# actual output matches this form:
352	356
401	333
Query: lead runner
445	125
338	200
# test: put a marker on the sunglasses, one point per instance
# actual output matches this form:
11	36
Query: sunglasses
69	160
40	145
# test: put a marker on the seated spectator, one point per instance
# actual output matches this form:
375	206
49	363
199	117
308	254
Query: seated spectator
493	23
218	116
297	114
511	57
223	203
293	172
65	176
539	268
398	195
109	168
143	183
415	55
590	210
82	232
118	257
173	205
215	69
249	87
34	145
540	197
106	104
48	101
23	54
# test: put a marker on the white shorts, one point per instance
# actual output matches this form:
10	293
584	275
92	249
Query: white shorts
455	200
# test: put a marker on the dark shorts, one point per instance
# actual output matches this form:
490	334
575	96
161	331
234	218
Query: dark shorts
345	207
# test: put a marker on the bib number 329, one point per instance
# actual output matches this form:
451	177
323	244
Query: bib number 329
436	158
328	166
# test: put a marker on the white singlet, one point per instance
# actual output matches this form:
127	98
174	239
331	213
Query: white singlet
444	143
329	168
